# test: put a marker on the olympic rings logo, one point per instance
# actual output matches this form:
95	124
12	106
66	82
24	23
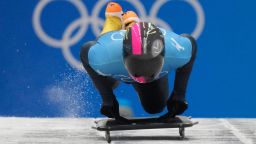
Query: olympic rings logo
96	22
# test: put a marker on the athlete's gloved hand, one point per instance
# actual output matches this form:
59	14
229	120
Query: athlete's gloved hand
175	107
112	111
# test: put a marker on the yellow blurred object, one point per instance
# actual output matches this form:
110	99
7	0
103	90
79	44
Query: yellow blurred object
129	18
113	16
111	24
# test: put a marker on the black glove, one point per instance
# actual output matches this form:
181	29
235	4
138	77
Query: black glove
109	111
112	111
175	107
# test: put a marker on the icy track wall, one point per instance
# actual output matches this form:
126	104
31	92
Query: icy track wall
41	74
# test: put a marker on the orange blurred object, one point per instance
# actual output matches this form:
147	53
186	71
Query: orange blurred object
130	17
114	9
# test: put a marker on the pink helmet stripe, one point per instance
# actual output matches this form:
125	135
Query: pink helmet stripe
136	40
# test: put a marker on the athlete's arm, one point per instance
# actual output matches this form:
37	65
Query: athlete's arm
177	103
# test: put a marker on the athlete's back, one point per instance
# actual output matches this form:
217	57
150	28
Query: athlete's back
106	56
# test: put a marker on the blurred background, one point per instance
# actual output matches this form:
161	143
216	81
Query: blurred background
41	74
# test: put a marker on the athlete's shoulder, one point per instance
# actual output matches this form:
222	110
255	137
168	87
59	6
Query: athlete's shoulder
112	36
108	39
175	39
169	33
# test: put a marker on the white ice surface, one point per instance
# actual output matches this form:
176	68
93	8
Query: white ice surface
78	131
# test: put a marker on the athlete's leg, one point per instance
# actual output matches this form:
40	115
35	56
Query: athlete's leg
177	103
153	96
104	84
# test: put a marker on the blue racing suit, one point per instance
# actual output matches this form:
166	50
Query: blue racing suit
106	56
103	61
